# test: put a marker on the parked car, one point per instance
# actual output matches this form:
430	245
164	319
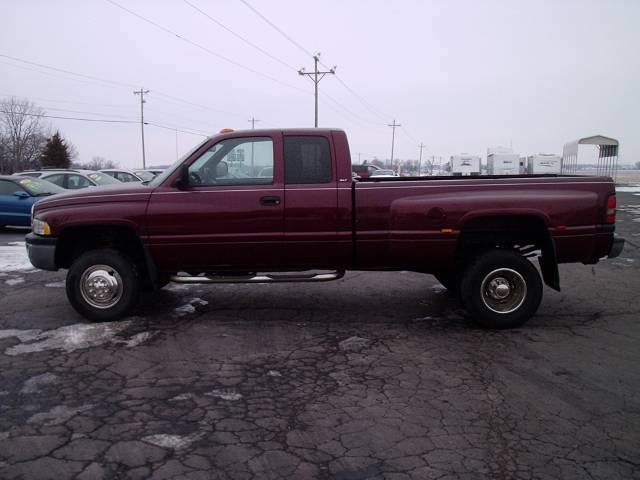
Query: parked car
17	196
153	171
124	176
364	171
383	173
474	234
76	179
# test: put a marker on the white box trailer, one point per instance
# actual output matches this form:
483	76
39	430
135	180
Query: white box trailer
465	165
502	161
544	163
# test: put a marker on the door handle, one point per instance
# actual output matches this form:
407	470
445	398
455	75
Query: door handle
270	200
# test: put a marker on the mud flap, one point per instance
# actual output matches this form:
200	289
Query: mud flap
549	264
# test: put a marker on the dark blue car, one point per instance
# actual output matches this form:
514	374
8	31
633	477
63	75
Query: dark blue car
18	194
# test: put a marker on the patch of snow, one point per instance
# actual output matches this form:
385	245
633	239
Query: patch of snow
230	395
4	435
22	335
58	415
14	258
182	397
422	319
14	281
198	301
177	287
139	338
629	189
55	285
184	310
68	338
175	442
353	344
189	307
274	373
34	383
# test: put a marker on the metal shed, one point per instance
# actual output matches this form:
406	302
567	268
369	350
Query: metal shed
607	155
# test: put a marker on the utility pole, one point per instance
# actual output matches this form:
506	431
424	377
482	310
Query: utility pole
315	77
253	121
142	92
393	137
420	161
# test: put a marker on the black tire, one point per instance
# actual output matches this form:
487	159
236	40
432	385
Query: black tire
501	289
120	277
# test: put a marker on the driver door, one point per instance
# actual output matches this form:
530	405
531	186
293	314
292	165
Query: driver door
231	214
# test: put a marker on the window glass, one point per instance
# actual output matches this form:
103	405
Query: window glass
102	179
126	177
307	159
76	181
39	188
9	188
57	179
235	161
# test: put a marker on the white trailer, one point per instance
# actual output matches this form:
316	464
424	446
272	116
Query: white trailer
502	161
465	165
544	163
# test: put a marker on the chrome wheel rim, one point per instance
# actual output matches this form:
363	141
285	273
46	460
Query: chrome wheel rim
503	290
101	286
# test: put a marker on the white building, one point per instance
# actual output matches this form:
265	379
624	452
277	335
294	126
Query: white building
465	164
502	161
544	163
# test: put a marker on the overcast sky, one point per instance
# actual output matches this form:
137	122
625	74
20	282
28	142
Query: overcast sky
459	76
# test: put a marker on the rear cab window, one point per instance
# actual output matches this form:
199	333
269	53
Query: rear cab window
307	160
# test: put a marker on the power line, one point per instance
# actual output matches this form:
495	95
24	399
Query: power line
175	129
90	77
308	53
203	48
70	118
237	35
275	27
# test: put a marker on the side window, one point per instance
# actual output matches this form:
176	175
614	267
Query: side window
235	161
127	177
57	179
9	188
76	181
307	159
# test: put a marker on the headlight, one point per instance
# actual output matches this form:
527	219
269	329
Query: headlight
40	228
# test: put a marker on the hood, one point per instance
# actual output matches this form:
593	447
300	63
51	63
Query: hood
106	193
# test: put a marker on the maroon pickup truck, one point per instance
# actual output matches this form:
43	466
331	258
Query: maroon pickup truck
281	206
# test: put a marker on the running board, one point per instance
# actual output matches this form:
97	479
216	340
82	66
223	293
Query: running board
267	278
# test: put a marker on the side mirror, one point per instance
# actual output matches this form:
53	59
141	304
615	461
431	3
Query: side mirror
21	195
183	180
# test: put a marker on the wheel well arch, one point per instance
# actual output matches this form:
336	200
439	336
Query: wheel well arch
525	233
74	241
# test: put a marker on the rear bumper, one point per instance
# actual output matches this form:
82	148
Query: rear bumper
42	251
616	247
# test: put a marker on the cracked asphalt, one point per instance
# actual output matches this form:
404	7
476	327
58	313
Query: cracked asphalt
375	376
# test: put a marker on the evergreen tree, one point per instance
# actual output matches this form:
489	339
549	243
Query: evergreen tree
55	153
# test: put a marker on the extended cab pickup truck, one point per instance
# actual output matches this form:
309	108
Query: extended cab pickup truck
281	205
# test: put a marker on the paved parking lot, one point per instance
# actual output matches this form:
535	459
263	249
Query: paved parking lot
378	375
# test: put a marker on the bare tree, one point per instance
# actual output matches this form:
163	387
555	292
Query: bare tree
22	135
98	163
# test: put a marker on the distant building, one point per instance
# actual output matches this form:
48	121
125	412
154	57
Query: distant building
465	164
544	163
502	161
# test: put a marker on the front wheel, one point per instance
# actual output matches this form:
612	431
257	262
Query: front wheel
501	289
102	285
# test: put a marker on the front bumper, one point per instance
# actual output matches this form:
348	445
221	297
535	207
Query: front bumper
616	247
42	251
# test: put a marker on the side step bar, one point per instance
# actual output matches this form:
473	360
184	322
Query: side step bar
266	278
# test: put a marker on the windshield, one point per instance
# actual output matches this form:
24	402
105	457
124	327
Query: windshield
164	175
102	178
37	187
